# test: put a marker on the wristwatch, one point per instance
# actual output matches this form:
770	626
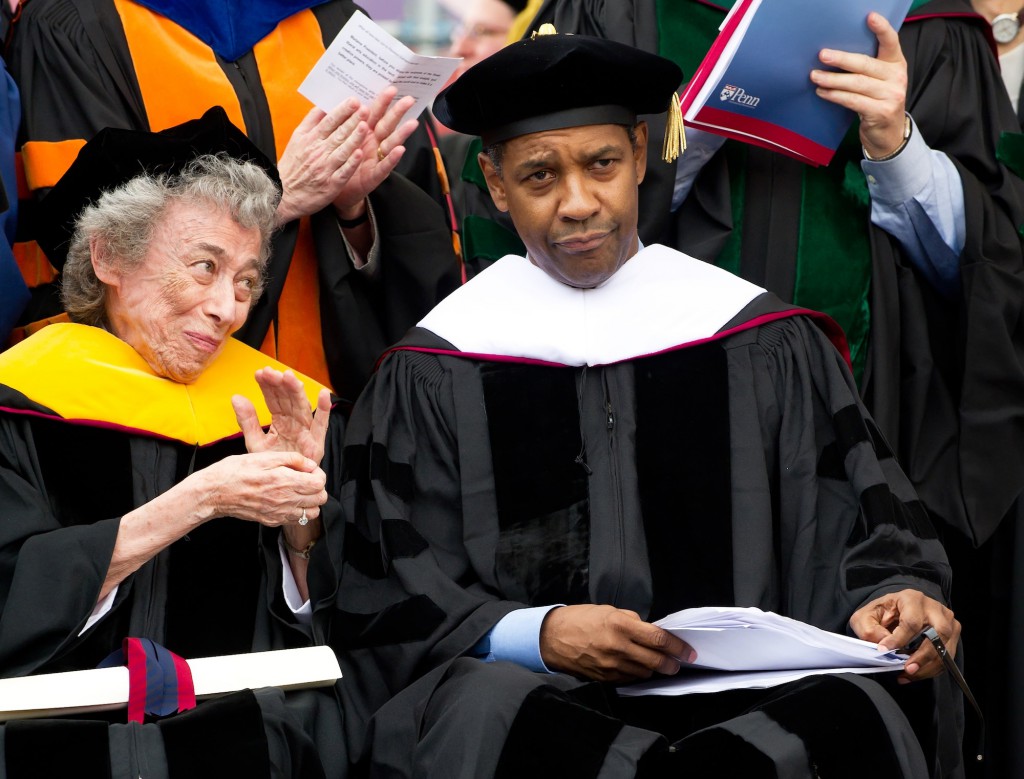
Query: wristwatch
1005	27
907	127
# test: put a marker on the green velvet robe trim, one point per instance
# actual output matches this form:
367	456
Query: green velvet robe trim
481	237
470	169
833	262
833	271
1010	152
484	239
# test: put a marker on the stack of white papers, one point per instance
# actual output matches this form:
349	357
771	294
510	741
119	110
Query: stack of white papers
747	647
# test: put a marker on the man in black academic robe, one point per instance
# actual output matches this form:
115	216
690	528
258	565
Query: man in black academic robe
628	431
940	372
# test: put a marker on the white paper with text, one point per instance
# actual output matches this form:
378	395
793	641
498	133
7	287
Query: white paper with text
364	58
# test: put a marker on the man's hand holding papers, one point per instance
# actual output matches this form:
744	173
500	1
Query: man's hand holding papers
894	619
747	647
609	644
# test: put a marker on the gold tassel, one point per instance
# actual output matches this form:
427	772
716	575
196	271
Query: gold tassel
675	138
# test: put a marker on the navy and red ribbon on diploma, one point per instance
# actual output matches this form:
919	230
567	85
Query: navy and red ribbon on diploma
159	681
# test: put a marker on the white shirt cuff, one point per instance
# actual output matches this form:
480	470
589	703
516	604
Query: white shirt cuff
300	608
99	610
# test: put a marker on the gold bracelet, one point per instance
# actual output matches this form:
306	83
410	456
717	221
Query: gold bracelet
907	127
304	552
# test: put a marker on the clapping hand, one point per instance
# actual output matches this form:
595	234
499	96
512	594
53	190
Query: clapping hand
341	156
293	427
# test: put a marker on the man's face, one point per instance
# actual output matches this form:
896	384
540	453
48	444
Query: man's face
572	195
192	290
482	31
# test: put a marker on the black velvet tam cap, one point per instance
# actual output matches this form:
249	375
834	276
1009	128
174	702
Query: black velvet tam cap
553	81
114	157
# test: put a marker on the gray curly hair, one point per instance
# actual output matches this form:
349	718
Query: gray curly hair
124	219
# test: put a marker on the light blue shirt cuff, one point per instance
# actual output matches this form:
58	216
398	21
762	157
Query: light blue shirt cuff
516	638
918	198
904	176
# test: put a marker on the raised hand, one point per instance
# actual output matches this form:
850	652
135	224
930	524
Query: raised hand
321	156
293	427
874	87
381	151
341	156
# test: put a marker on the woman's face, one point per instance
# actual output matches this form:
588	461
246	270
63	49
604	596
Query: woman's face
192	290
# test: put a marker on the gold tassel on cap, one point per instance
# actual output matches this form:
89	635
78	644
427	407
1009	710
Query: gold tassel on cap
545	29
675	138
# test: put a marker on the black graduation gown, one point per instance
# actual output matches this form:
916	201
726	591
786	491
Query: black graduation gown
63	487
740	471
944	379
74	67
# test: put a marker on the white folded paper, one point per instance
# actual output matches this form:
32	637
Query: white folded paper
749	648
100	689
364	58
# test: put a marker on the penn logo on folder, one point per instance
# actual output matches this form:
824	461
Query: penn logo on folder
735	94
754	85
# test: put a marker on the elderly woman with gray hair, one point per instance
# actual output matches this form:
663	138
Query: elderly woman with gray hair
130	503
